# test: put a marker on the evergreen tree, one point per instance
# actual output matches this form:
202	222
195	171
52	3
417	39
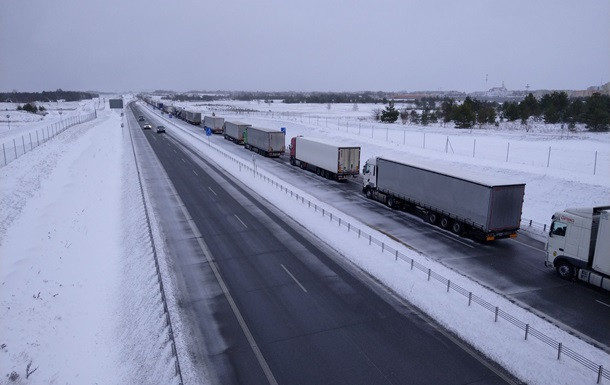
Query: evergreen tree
596	113
464	115
414	117
390	114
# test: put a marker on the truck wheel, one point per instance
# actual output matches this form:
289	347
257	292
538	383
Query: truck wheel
390	202
445	222
432	217
565	270
369	193
457	227
318	171
293	162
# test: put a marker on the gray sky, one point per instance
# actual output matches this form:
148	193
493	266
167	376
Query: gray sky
306	45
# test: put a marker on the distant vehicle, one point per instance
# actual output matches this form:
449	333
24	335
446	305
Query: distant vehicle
265	141
160	129
147	126
579	245
234	131
330	160
455	200
141	118
214	123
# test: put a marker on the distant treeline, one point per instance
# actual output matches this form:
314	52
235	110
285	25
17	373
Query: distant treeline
191	98
46	96
555	107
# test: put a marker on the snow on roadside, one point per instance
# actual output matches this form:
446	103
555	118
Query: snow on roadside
79	300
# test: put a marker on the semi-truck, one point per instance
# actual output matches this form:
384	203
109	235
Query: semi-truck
265	141
234	131
192	117
480	206
214	123
327	159
578	245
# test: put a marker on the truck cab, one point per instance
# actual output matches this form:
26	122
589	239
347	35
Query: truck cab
369	175
578	245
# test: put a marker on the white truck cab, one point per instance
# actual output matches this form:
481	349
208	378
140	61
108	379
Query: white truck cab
578	245
369	171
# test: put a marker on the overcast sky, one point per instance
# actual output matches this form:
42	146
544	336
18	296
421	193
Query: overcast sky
306	45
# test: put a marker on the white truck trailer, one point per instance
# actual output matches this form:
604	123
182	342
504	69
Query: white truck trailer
579	245
192	117
214	123
484	207
265	141
234	131
330	160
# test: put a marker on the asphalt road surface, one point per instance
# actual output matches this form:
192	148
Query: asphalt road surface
271	304
513	268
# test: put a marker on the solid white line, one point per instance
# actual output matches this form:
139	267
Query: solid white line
292	276
531	247
195	173
183	160
453	239
242	222
603	303
213	192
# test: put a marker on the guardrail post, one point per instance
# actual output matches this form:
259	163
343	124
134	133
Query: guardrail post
358	233
496	316
559	350
15	148
412	261
429	274
469	298
37	139
396	259
339	221
349	225
4	152
23	142
369	239
448	285
599	374
382	247
331	217
527	330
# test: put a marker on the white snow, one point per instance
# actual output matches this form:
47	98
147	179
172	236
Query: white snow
73	228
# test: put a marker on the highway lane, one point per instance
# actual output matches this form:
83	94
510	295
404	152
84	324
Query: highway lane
514	268
312	319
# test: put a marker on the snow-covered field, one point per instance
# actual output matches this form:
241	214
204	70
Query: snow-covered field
79	298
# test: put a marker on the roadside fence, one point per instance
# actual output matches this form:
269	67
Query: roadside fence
14	149
555	347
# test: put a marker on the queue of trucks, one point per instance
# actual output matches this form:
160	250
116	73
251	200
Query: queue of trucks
578	244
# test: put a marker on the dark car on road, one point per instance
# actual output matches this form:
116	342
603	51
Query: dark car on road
160	129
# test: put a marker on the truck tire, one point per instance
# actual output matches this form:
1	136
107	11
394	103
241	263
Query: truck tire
293	162
369	193
432	217
318	172
566	270
457	228
445	222
391	202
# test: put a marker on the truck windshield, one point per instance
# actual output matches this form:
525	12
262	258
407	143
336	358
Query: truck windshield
558	228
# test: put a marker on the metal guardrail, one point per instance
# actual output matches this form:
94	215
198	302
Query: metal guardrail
168	320
529	331
14	150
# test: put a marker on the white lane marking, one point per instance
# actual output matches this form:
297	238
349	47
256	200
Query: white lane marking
292	276
531	247
453	239
175	151
603	303
184	161
213	192
195	173
240	221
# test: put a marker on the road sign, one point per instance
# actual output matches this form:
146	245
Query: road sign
208	131
283	129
